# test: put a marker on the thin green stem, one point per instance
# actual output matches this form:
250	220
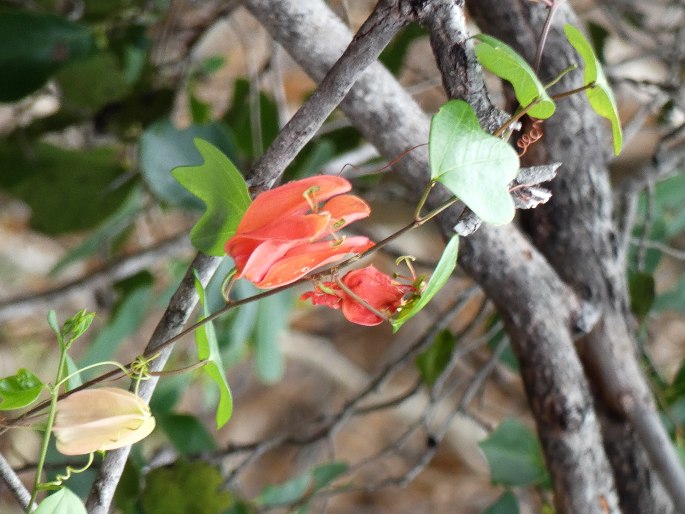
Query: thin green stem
517	116
561	75
572	92
54	395
422	200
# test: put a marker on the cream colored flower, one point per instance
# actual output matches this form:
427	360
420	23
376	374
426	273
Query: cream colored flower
100	419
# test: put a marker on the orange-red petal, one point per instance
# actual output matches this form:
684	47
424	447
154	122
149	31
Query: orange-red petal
304	258
347	208
289	199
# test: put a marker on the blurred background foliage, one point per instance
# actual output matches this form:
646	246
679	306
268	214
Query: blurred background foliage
100	100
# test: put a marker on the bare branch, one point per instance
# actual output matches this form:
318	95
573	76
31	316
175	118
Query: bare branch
13	483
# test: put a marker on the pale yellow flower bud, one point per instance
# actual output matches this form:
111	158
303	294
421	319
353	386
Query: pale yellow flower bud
100	419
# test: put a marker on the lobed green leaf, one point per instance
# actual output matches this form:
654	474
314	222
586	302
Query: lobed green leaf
63	501
219	184
19	390
600	96
506	63
474	165
208	349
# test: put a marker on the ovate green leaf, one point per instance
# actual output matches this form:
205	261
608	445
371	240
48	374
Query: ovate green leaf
188	435
514	455
442	273
208	349
20	390
476	166
34	46
62	502
600	96
506	63
219	184
435	359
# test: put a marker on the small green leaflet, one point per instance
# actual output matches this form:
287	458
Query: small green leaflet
63	501
219	184
600	96
442	273
20	390
208	349
474	165
514	455
506	63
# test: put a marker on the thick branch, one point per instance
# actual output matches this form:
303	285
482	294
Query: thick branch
576	233
11	480
537	306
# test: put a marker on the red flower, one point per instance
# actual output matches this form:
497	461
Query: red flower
290	230
377	289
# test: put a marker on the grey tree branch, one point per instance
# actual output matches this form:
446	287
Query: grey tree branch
13	483
576	232
372	37
539	310
175	317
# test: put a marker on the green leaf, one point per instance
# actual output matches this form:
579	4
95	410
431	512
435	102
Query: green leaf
506	63
75	379
286	493
62	502
642	293
93	82
505	504
107	234
474	165
164	147
33	47
20	390
442	273
514	455
67	190
435	359
326	473
76	326
239	117
272	318
222	188
600	96
185	487
208	349
185	432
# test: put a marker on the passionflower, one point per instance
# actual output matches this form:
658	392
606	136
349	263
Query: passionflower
374	288
100	419
292	229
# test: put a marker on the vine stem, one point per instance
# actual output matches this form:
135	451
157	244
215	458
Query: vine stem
232	304
54	395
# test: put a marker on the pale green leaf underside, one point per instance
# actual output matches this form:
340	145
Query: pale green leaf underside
442	273
474	165
63	501
601	97
506	63
208	349
219	184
